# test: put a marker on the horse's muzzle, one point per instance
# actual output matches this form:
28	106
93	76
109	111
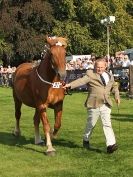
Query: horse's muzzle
62	75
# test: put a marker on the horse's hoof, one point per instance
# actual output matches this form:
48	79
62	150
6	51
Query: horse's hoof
16	134
42	143
50	153
55	136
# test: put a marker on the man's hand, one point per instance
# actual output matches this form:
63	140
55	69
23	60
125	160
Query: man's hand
67	86
117	101
67	89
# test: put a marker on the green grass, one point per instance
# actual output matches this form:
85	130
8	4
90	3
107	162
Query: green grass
19	157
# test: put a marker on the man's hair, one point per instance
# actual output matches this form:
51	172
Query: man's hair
101	60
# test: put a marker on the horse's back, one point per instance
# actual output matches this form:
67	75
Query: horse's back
22	83
23	69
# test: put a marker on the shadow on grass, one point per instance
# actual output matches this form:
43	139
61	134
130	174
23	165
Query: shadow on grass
21	142
70	144
65	143
122	117
10	140
93	149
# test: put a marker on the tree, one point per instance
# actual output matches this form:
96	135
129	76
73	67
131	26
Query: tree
24	25
88	15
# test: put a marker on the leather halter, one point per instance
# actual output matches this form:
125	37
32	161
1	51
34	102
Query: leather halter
54	84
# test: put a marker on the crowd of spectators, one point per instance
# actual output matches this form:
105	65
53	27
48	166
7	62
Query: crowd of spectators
77	64
80	64
6	76
120	61
118	65
88	63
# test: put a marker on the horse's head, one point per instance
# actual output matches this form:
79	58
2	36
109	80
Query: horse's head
58	53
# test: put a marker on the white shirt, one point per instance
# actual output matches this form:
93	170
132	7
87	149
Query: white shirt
126	63
106	77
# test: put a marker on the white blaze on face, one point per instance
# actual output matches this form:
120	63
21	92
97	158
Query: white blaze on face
59	43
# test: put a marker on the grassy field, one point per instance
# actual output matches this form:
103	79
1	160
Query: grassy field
19	157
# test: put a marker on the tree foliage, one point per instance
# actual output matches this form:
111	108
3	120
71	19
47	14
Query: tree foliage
24	23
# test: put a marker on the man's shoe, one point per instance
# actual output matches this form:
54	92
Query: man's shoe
86	144
112	148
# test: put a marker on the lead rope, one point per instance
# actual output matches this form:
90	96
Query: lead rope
118	110
119	119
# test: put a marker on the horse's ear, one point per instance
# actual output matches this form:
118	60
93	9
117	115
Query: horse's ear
63	41
46	38
51	41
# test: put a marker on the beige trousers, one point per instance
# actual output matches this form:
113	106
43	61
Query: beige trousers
104	113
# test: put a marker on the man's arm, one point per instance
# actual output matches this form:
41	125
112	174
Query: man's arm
78	82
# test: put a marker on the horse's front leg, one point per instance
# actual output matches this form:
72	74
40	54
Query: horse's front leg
58	117
46	128
36	118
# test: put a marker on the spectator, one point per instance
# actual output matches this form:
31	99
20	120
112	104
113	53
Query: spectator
131	63
112	61
119	61
4	77
126	61
9	75
90	65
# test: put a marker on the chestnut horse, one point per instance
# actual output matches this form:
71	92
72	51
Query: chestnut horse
41	87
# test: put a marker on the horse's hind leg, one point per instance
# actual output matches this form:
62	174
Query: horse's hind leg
36	118
18	105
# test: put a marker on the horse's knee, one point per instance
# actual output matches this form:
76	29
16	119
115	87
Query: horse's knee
56	128
17	114
44	119
36	120
57	125
41	109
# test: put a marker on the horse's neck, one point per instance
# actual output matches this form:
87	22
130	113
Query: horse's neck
45	70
